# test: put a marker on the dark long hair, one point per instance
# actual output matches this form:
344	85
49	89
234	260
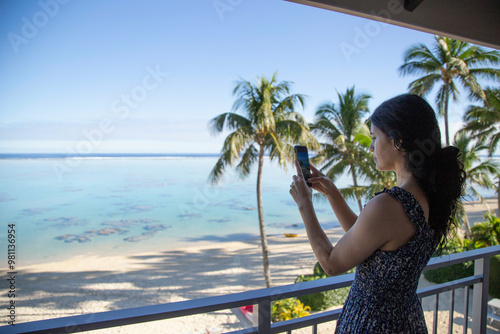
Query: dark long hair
412	123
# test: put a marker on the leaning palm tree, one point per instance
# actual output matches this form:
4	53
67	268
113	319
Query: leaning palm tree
483	122
478	171
268	124
448	62
338	126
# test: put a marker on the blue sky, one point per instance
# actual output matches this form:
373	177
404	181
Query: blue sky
147	76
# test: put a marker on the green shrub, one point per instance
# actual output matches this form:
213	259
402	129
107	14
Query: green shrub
484	234
286	309
450	273
318	270
456	271
494	289
322	300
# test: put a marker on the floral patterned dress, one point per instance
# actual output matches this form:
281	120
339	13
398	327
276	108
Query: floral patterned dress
383	295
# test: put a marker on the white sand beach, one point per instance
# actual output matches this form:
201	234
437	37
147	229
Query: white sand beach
88	284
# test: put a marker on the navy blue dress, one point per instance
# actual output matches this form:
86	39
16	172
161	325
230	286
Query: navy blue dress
383	295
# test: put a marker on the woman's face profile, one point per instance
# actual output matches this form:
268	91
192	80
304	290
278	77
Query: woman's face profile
385	153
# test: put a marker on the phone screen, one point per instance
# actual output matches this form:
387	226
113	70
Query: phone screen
303	158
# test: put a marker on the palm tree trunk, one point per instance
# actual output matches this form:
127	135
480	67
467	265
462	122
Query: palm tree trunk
263	238
461	216
355	181
467	229
446	99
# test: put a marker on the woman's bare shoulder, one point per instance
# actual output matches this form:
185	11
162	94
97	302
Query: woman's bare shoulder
387	217
382	201
384	209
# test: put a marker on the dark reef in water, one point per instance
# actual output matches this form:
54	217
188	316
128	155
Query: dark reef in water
65	221
86	236
35	211
222	220
6	198
151	231
124	223
115	227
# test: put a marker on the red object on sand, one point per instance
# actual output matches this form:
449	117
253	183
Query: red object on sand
247	312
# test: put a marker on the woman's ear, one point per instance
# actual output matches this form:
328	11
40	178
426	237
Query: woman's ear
397	144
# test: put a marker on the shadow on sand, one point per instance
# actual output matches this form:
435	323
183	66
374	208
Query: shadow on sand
167	276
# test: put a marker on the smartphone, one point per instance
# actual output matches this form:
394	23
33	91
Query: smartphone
303	158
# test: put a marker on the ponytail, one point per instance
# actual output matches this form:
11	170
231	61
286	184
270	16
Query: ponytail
442	178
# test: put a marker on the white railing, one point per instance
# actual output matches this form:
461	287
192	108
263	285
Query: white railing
261	299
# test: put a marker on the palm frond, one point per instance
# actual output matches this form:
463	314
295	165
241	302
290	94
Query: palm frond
276	146
422	86
218	170
325	128
482	122
419	59
486	73
289	104
247	160
472	86
333	169
230	121
363	136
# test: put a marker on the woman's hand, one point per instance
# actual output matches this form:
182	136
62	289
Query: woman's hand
299	190
320	182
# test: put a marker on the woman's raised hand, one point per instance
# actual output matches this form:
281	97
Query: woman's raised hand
320	182
299	190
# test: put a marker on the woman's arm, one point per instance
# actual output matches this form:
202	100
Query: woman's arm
320	182
320	243
378	223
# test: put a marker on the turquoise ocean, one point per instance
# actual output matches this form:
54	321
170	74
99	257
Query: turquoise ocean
126	204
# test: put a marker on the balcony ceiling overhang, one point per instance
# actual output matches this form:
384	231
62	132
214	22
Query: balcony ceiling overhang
473	21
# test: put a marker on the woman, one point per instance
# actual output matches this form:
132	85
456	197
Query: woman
398	230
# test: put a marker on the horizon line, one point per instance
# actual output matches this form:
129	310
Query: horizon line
13	155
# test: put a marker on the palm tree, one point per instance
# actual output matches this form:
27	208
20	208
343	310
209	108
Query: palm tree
268	124
483	122
338	125
447	62
478	172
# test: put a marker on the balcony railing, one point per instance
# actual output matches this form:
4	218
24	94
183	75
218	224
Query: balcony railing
261	299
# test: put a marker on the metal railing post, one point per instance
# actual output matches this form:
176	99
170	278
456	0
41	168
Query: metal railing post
452	311
264	317
466	309
255	315
480	296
